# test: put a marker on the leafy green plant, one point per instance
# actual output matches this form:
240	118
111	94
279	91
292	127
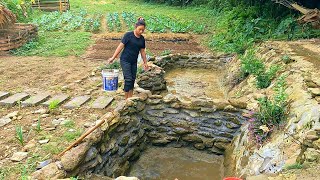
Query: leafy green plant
114	65
165	52
264	78
250	64
271	114
19	135
286	59
54	104
38	127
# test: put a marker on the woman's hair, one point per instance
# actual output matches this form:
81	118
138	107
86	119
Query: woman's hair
140	22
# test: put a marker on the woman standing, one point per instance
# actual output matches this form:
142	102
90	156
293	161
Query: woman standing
132	43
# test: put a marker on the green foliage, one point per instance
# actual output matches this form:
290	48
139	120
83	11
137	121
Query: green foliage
69	124
294	166
165	52
38	127
19	135
250	64
272	112
114	65
56	44
54	105
140	70
264	78
70	136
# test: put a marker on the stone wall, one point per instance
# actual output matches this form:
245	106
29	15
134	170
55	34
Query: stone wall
154	80
204	124
298	140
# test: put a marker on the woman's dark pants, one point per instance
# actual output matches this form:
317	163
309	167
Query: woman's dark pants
129	73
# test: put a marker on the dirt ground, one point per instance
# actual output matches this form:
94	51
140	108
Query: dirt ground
156	44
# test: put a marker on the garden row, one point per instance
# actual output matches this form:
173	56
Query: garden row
115	22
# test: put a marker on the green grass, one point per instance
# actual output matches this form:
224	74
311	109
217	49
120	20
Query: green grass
56	44
54	105
294	166
69	124
71	136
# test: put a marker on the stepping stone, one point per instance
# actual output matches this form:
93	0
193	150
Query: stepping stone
77	102
3	95
35	100
12	100
102	102
60	98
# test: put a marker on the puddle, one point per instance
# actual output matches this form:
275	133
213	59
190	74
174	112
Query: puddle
167	163
195	83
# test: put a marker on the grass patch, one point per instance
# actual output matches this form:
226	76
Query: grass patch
69	124
71	136
52	148
56	44
294	166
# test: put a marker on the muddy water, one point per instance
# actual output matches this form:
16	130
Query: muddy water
166	163
195	83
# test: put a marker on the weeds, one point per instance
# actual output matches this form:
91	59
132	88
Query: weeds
166	52
19	135
294	166
38	127
54	105
70	136
271	114
114	65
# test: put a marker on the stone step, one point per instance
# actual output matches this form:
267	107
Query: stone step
77	102
14	99
3	95
60	98
36	100
101	102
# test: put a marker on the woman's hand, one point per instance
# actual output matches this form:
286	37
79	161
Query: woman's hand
110	60
145	67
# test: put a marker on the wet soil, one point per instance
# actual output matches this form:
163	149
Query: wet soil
177	163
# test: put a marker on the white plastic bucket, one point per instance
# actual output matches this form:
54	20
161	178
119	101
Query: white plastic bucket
110	79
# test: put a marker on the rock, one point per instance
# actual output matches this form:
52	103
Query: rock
312	137
171	111
44	115
217	123
56	122
220	104
311	84
45	141
170	98
31	144
51	171
71	159
87	124
91	154
215	150
221	145
13	114
19	117
202	103
192	138
199	146
4	121
41	111
316	144
160	142
312	155
44	163
124	141
19	156
180	130
238	103
126	178
230	108
208	110
314	91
